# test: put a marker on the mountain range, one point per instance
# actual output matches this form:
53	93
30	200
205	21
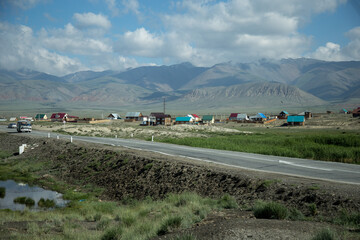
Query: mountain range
264	84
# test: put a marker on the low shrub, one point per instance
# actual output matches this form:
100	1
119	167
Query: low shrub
325	234
25	200
227	202
48	203
112	234
2	192
270	210
296	215
170	223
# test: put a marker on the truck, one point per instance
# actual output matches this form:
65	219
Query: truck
23	126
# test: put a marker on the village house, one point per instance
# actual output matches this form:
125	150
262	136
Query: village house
114	116
208	119
40	116
58	117
133	116
306	114
356	112
159	118
283	115
183	120
242	117
194	117
260	117
296	120
233	116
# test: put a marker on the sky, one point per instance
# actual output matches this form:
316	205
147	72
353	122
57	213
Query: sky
60	37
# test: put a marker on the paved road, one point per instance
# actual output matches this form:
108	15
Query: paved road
331	171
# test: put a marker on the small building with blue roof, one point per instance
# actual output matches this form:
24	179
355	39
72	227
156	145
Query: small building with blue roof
296	120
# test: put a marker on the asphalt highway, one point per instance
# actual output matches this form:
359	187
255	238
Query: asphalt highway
329	171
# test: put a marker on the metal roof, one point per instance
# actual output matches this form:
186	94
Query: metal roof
207	117
183	119
296	119
133	114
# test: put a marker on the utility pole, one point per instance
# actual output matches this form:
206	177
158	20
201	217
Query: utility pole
164	105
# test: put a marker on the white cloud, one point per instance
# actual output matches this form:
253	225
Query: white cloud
89	20
131	6
74	41
19	48
330	52
334	52
111	4
352	50
140	43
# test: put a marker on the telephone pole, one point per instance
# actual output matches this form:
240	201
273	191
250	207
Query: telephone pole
164	105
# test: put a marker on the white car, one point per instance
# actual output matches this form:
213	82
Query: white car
12	125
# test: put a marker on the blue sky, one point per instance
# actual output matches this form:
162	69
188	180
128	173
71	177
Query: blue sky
65	36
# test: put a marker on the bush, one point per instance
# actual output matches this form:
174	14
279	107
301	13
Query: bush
349	219
325	234
270	210
296	215
46	203
227	202
112	234
2	192
172	222
24	200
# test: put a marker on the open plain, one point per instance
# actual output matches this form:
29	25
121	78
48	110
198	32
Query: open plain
106	175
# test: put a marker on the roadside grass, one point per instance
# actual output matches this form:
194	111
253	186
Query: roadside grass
91	219
87	217
4	154
328	146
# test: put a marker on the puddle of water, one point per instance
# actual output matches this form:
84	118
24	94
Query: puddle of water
14	190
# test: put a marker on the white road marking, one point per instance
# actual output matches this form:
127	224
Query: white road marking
303	166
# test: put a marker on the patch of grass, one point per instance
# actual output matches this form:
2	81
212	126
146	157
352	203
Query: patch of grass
148	166
228	202
313	209
329	146
4	154
314	187
348	219
325	234
270	210
46	203
2	192
169	224
296	215
112	234
25	200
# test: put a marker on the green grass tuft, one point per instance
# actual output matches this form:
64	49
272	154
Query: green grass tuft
169	224
2	192
228	202
270	210
325	234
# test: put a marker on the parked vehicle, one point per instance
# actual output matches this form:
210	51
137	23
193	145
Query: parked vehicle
24	126
12	125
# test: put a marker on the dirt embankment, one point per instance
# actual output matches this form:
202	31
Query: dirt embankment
130	174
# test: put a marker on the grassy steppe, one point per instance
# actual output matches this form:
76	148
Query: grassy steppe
320	145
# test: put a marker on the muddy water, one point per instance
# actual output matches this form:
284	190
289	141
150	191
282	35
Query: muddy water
14	190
